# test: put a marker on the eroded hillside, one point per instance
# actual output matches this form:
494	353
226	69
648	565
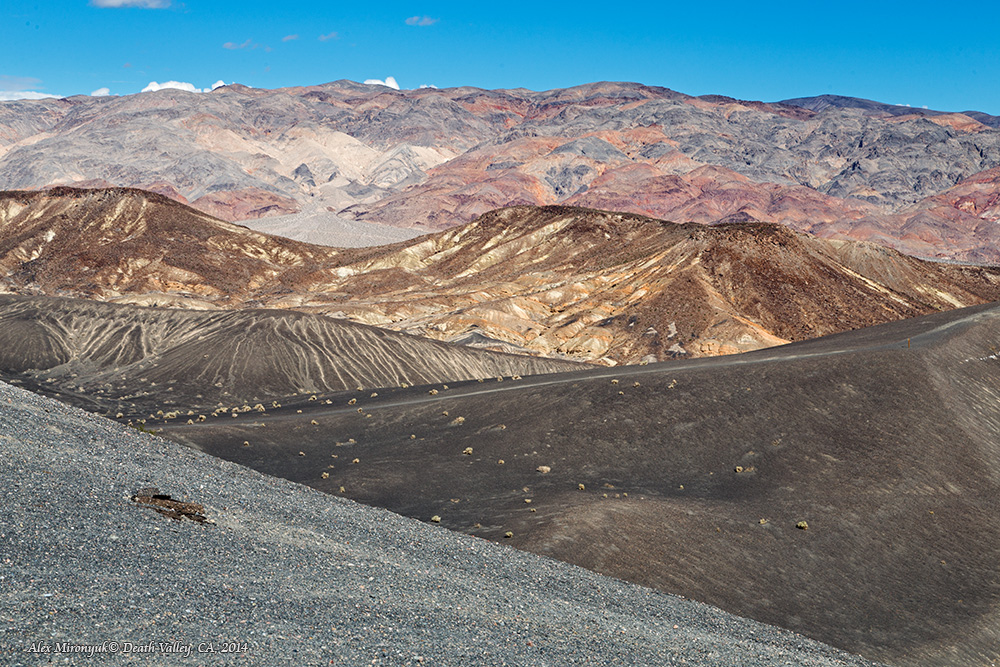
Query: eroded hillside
552	281
110	357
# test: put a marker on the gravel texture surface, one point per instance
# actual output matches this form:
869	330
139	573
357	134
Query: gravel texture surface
289	576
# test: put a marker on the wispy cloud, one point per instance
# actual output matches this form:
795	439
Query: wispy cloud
327	37
233	46
13	88
15	95
144	4
389	82
101	92
289	38
421	21
11	83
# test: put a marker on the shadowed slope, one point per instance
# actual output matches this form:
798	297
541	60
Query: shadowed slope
113	357
693	477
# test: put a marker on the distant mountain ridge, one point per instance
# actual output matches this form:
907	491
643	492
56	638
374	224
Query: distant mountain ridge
432	159
822	102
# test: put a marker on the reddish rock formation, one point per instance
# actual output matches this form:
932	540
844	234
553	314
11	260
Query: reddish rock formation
432	159
247	204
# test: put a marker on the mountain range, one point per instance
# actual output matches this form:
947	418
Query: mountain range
739	351
921	181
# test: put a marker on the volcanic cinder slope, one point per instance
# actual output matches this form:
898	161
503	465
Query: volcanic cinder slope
436	158
554	281
112	358
844	487
292	576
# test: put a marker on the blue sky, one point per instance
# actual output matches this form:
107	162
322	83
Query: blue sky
911	53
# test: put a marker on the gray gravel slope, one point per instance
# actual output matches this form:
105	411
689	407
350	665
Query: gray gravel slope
301	577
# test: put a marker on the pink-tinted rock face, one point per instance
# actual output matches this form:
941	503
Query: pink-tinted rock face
248	204
432	159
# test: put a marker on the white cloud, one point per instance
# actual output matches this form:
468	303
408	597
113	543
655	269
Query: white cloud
389	81
289	38
327	37
15	95
101	92
144	4
180	85
428	85
421	21
176	85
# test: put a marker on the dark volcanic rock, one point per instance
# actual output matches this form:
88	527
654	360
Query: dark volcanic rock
593	148
694	477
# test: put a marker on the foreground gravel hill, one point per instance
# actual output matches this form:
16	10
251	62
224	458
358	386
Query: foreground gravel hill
299	577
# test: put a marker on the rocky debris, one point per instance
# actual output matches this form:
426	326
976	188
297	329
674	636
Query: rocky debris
882	439
167	506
